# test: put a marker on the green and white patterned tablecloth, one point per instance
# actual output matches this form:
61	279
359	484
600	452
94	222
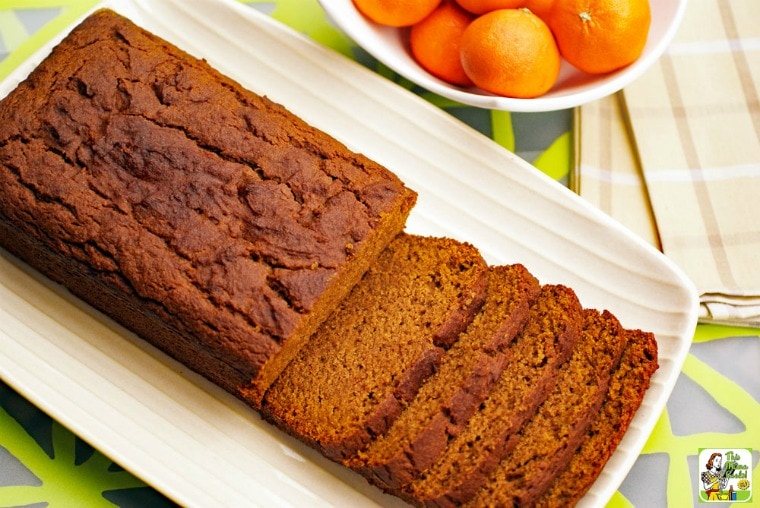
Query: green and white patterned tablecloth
715	404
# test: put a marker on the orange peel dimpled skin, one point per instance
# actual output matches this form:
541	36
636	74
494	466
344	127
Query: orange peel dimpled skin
511	52
600	36
396	13
435	42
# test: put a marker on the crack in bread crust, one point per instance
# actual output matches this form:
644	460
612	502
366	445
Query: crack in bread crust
170	183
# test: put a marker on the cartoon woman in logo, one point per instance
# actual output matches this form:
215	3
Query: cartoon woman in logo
713	479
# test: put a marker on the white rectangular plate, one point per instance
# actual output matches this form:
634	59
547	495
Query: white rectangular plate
199	445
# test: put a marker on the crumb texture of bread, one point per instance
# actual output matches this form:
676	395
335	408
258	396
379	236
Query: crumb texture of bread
461	382
626	390
535	358
367	361
235	225
551	437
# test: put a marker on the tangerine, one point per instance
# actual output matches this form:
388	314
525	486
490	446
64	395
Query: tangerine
396	13
510	52
436	39
599	36
540	8
483	6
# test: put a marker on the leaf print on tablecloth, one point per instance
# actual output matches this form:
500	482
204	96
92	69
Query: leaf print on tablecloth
62	479
681	489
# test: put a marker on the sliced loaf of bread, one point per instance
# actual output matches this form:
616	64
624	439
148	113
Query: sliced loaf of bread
369	358
549	439
461	382
534	361
624	395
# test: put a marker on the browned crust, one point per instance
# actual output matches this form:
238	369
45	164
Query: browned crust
199	212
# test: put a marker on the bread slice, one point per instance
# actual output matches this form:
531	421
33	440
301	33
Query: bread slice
626	390
548	441
461	382
369	358
534	361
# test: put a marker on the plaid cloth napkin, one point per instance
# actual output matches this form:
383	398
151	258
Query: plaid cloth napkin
606	170
695	132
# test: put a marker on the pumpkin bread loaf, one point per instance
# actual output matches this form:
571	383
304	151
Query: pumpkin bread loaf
206	218
367	361
461	382
531	372
547	442
626	390
266	256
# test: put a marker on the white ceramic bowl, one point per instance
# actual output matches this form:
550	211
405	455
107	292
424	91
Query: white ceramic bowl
573	88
